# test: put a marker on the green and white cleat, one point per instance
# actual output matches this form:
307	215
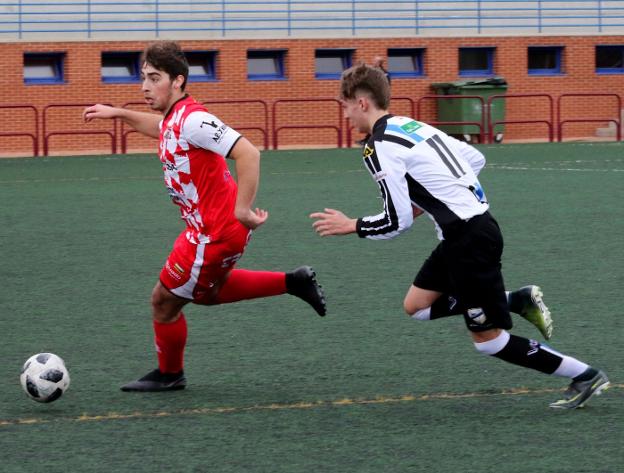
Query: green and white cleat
579	392
529	300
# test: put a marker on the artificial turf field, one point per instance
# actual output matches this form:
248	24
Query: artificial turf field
272	386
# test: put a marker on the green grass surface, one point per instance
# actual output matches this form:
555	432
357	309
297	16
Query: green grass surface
275	388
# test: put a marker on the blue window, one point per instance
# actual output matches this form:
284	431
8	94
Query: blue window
544	60
329	63
405	62
476	61
121	67
44	68
265	64
610	59
202	65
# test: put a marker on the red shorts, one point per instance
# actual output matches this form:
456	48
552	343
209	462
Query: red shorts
193	270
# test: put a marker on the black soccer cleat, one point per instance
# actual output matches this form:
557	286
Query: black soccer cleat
301	282
155	381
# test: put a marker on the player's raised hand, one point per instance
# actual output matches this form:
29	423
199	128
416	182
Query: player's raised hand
252	219
333	222
99	111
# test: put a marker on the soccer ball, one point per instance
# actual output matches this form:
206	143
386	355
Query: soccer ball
44	377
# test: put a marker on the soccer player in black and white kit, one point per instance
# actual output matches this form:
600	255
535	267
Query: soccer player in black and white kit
419	169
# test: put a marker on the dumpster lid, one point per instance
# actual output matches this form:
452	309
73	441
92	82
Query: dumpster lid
496	80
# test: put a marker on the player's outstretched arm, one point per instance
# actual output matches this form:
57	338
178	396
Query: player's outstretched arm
247	162
143	122
333	222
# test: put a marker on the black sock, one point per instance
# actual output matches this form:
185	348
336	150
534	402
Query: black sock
530	354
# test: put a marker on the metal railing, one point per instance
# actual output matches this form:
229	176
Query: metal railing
615	119
548	121
68	118
294	125
292	18
33	136
112	133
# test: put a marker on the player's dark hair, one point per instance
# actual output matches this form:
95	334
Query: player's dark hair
167	56
369	80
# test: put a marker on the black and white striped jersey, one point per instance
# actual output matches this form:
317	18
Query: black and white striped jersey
415	164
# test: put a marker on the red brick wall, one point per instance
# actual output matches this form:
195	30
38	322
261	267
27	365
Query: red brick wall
83	85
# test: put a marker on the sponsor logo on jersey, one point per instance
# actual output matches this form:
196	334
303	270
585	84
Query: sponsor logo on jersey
411	127
173	272
219	133
477	315
178	268
368	152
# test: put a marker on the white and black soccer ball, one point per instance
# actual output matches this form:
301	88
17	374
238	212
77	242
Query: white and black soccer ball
44	377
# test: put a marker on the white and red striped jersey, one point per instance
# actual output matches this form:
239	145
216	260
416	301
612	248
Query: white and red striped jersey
193	147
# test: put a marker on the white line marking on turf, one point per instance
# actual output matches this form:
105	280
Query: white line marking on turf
277	407
527	168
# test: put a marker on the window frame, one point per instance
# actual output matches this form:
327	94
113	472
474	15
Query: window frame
556	71
417	54
489	50
134	58
278	55
58	64
211	63
609	70
344	54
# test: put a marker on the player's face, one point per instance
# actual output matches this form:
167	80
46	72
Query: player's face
354	110
159	90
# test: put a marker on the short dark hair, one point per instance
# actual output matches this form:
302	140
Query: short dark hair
368	79
167	56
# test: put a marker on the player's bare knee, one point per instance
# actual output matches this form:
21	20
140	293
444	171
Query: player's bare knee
163	313
408	307
411	308
157	300
164	308
159	309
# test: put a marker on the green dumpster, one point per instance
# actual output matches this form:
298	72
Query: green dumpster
469	109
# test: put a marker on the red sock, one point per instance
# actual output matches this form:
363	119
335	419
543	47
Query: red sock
243	284
170	342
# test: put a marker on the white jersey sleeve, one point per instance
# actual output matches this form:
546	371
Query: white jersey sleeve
206	131
387	168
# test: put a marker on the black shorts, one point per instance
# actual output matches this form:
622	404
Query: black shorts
467	266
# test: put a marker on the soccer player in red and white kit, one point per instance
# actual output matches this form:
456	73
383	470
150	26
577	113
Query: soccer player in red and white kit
216	208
